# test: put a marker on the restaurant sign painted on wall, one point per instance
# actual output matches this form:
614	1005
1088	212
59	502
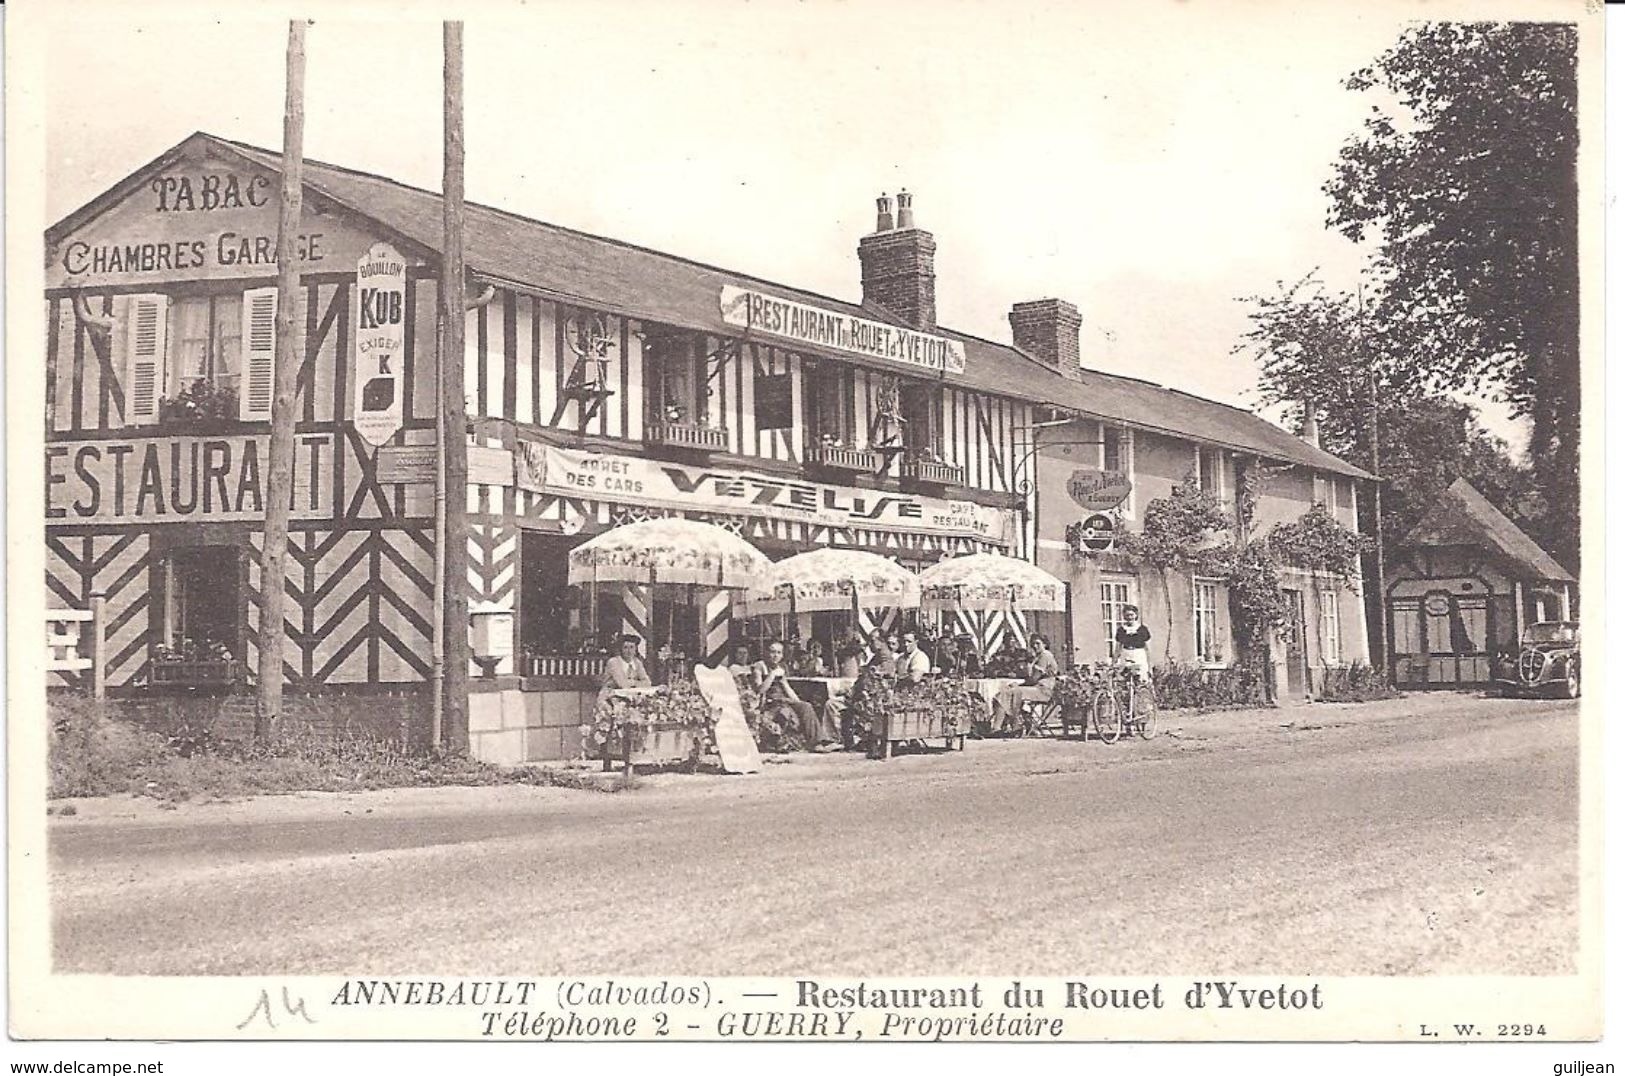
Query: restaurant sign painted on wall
805	324
180	479
547	469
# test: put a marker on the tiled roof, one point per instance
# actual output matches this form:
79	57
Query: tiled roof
622	278
1462	516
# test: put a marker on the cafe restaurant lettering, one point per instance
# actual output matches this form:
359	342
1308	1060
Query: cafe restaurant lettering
605	384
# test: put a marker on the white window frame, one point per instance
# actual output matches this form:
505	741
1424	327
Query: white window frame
1219	489
1199	585
1331	629
1111	609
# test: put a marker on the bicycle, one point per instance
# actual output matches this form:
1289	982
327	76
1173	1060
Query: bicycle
1122	704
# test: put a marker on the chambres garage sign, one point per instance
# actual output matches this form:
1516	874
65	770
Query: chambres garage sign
196	220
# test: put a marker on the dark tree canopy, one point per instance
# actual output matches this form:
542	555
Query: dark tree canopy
1465	177
1312	345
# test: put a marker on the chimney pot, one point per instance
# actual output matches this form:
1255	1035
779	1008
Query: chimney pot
883	217
899	265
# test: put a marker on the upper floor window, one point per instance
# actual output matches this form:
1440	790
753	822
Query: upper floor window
1325	491
1117	454
828	402
921	405
1210	470
197	357
675	375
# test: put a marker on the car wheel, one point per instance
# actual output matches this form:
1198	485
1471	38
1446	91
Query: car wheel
1571	684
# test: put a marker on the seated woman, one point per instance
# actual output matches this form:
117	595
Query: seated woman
1038	684
772	682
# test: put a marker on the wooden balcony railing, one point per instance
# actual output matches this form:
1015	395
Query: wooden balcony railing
844	459
686	435
933	471
564	665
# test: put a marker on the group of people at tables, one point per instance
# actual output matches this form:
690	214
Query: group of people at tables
1030	672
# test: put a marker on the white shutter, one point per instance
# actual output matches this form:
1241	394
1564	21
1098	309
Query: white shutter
258	382
145	334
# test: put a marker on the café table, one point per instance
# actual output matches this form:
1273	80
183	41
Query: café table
818	690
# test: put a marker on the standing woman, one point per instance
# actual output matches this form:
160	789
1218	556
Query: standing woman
1133	643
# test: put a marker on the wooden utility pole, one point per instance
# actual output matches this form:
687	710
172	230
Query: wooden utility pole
1381	651
454	411
289	345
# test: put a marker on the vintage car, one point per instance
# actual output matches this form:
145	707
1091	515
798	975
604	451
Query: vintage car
1548	660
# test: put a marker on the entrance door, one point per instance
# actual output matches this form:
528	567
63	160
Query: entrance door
1297	673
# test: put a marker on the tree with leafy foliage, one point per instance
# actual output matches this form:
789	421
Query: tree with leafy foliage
1180	530
1312	345
1465	175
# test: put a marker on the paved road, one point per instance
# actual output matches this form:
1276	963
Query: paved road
1431	836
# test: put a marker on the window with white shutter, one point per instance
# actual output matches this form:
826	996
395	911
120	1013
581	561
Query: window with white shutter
258	355
144	335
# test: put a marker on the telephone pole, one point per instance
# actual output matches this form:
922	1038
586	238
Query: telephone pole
285	383
1376	492
454	413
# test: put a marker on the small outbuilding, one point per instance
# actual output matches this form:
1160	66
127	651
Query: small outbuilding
1465	583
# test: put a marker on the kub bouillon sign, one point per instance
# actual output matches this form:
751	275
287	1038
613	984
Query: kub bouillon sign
380	343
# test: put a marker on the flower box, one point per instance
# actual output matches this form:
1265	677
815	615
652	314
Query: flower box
918	723
934	472
686	435
840	458
661	745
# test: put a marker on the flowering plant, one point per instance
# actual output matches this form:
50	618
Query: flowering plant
623	721
186	649
200	399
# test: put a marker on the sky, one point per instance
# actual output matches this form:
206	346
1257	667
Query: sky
1153	162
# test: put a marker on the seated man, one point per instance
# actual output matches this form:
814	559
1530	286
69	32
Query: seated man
913	665
773	684
741	664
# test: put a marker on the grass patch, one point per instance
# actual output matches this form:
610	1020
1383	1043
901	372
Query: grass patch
95	753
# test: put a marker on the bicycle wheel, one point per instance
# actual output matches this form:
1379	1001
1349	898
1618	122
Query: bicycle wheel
1107	716
1145	712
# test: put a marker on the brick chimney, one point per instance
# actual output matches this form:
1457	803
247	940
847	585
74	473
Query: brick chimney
1310	430
899	265
1047	329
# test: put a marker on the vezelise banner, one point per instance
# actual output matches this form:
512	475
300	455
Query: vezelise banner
601	476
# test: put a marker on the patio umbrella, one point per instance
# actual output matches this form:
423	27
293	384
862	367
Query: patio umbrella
673	550
836	580
984	582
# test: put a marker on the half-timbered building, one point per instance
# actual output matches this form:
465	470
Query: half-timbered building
604	383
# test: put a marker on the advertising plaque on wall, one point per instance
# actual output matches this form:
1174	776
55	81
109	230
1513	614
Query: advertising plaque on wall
380	343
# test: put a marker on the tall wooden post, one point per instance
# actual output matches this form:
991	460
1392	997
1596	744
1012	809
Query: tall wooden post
289	345
1380	653
454	409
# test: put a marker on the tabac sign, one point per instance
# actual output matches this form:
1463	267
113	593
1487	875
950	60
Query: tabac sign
547	469
1098	491
380	343
196	218
804	324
